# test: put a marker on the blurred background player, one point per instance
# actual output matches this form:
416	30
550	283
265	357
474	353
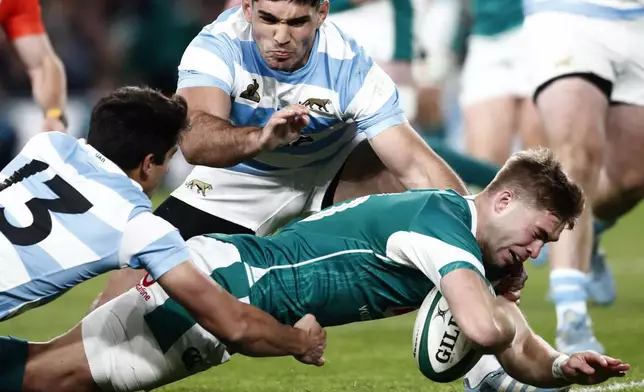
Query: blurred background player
588	88
23	27
494	83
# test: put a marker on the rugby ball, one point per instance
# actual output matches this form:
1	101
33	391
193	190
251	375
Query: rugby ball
442	351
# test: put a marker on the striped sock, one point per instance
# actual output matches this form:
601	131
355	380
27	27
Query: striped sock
568	292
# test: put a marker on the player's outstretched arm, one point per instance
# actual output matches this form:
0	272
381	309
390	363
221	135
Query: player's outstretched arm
532	361
413	162
243	328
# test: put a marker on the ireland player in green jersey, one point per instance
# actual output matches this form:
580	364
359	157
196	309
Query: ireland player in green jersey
363	259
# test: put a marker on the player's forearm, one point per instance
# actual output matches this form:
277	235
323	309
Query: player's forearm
49	83
529	359
237	324
263	336
215	142
431	171
531	363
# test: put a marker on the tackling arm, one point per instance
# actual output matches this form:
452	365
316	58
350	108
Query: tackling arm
245	328
208	110
413	162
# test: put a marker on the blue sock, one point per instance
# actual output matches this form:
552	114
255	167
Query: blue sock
13	360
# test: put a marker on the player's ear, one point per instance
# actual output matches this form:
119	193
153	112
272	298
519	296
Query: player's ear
147	166
247	7
323	12
502	199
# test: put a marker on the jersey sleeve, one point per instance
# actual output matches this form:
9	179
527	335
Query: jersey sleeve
373	99
208	61
437	243
152	243
24	20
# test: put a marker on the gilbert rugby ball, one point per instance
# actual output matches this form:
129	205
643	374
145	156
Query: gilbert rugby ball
443	352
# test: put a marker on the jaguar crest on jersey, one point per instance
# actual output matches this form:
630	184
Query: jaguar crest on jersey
201	186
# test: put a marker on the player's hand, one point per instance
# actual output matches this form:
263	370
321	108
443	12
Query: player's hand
589	367
317	338
51	124
513	281
283	127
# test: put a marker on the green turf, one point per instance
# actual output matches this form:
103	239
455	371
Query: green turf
376	356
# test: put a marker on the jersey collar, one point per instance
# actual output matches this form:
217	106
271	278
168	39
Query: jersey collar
473	213
102	161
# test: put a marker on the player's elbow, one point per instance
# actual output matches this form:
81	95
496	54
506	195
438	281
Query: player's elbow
491	333
488	337
190	150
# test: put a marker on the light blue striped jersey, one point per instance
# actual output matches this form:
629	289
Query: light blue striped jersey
340	83
603	9
71	214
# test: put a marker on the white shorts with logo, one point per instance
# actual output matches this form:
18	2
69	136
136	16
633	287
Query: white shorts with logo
262	204
122	350
559	43
494	68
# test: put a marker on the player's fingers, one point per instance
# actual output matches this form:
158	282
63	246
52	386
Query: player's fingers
622	367
612	361
299	108
595	358
303	119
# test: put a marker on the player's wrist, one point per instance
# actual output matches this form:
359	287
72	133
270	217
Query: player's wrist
557	371
58	114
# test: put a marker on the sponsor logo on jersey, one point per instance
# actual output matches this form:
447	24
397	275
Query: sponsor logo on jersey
191	358
141	287
251	92
142	292
364	313
201	186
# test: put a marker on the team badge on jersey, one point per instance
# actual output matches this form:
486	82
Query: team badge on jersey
317	104
251	92
201	186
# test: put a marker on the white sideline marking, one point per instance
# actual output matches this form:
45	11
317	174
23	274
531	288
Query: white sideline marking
612	387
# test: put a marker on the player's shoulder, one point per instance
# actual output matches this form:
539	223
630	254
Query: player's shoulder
337	44
59	142
448	216
229	28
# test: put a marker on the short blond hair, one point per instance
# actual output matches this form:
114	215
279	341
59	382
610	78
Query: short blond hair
536	176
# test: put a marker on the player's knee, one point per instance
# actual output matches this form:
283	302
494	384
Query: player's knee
582	161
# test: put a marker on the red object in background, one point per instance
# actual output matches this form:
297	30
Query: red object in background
20	18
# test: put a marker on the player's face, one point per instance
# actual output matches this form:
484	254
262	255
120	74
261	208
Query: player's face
520	232
284	31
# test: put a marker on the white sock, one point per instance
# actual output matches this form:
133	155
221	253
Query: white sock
568	292
486	365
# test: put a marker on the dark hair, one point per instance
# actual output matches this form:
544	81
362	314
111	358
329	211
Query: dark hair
537	177
312	3
132	122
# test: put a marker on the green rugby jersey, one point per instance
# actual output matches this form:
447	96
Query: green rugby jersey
364	259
